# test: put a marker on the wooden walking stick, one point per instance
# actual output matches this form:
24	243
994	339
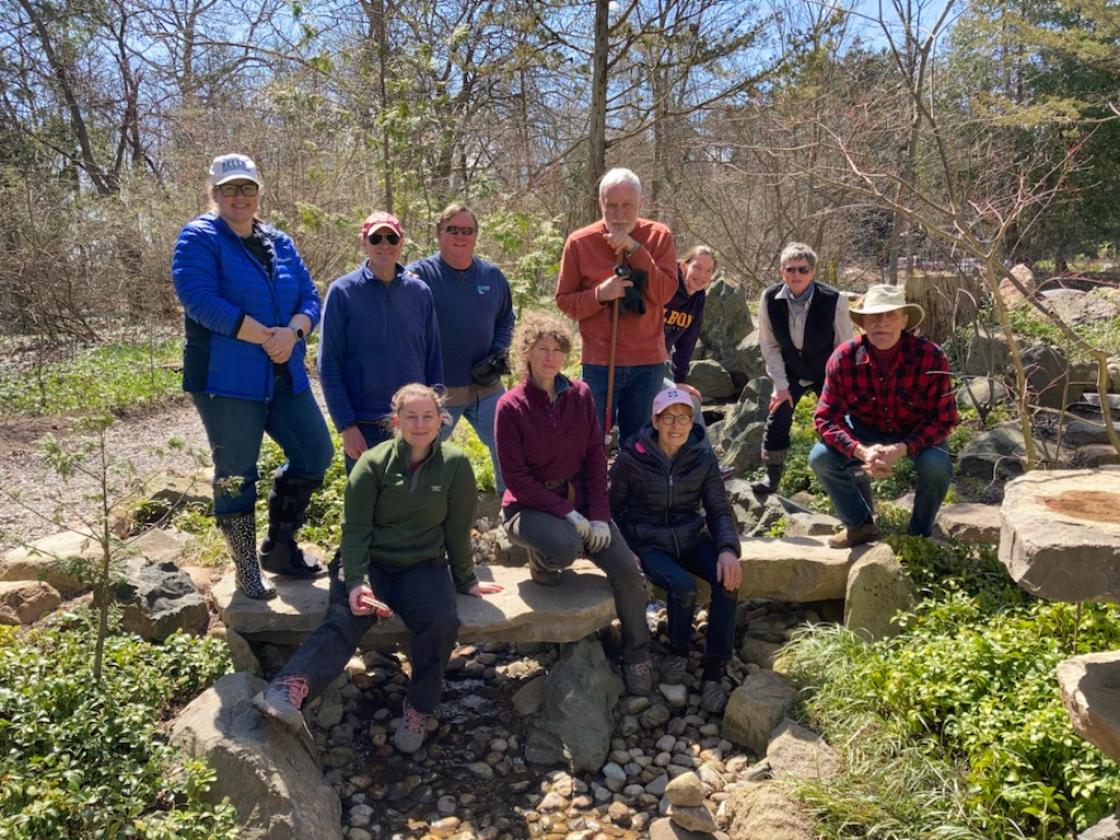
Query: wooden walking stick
607	424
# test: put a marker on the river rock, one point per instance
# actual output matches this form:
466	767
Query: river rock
1061	533
686	790
694	818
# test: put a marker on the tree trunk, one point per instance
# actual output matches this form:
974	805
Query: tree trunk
597	131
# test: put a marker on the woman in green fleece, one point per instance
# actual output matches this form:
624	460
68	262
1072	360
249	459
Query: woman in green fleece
409	506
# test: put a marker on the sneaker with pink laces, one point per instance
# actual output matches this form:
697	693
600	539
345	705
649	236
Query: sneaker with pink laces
409	736
281	701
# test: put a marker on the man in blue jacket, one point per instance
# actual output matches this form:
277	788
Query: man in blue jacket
379	333
475	312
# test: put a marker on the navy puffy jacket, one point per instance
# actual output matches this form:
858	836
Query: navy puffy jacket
219	283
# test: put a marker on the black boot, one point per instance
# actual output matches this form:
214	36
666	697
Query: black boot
240	531
769	484
287	503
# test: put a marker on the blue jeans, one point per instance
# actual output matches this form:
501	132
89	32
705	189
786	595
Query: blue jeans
674	576
933	465
635	386
374	432
480	414
236	427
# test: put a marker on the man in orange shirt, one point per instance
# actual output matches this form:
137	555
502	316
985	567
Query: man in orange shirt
601	262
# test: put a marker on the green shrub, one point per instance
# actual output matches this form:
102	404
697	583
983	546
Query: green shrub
78	761
964	700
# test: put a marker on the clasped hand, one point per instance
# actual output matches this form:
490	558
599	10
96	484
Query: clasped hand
879	458
279	343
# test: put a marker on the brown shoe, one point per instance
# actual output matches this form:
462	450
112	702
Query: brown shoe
541	573
851	537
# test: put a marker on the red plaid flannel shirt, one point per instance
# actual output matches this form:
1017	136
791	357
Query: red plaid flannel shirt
913	402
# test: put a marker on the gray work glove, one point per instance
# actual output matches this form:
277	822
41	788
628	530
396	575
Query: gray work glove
600	537
580	523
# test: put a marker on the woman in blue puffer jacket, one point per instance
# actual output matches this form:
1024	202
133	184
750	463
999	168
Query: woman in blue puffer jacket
659	482
249	303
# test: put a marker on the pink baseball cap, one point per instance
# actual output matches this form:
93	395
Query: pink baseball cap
381	219
671	396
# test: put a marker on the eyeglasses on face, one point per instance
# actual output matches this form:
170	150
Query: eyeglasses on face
391	238
459	230
230	190
797	269
677	419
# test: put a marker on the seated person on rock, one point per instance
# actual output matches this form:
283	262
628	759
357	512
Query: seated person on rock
659	483
550	447
407	514
887	394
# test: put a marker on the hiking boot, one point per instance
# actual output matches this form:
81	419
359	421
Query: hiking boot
674	669
638	677
240	531
287	505
769	484
851	537
281	701
713	697
540	573
409	736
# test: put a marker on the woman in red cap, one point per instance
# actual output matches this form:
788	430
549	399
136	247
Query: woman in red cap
379	333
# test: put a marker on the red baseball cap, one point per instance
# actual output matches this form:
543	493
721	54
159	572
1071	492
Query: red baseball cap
381	219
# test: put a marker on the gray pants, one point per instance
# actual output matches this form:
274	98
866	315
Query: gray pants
558	545
422	595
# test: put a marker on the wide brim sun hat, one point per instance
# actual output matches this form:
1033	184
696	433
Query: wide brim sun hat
883	298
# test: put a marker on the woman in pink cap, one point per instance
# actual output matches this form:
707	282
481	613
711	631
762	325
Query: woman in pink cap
659	482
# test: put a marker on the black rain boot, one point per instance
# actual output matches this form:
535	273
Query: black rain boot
769	484
287	502
240	531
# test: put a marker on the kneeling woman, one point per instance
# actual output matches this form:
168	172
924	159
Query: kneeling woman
550	448
659	482
409	505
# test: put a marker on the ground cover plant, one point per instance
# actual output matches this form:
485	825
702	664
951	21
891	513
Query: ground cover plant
955	728
78	760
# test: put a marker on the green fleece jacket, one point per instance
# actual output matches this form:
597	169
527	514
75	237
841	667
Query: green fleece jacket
396	516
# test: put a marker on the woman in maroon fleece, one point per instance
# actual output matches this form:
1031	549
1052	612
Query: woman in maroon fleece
550	450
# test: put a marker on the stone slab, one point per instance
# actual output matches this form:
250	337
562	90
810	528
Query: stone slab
523	611
1090	687
1060	535
968	522
795	569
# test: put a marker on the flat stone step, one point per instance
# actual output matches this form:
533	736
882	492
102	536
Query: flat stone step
1090	686
795	569
969	522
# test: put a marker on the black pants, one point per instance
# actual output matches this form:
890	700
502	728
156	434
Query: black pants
775	437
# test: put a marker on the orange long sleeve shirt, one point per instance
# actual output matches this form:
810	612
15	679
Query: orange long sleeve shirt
587	261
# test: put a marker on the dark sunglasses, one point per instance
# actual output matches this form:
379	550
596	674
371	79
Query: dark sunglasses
230	190
455	229
375	238
798	269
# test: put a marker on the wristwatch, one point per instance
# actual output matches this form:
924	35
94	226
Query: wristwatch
298	332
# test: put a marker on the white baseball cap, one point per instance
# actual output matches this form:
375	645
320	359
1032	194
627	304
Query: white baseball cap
231	168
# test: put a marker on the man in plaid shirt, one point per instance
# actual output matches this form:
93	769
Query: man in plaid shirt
887	394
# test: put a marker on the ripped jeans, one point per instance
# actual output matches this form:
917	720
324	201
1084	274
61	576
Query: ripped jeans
673	575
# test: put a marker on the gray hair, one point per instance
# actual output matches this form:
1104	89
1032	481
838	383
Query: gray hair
618	176
798	251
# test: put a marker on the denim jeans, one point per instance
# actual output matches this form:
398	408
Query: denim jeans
422	595
674	576
635	386
480	414
775	438
558	545
236	427
374	432
933	465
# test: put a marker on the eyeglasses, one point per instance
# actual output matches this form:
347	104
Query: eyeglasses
798	269
391	238
456	230
230	190
677	419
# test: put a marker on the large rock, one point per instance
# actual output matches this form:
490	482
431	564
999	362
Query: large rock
755	709
983	394
739	434
523	611
795	569
1061	533
271	777
710	379
578	709
726	319
1106	829
1090	687
987	353
878	589
997	454
56	558
159	599
745	362
1047	373
1079	308
1080	432
666	829
1011	294
1096	455
811	525
765	810
797	753
968	522
26	601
